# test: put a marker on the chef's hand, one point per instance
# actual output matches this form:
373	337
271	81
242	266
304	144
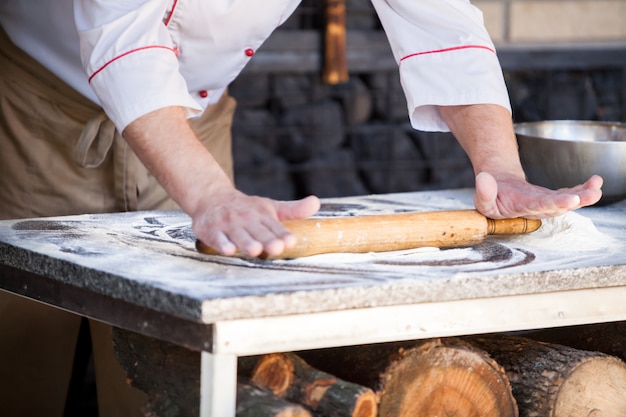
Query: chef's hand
234	221
508	196
223	218
485	131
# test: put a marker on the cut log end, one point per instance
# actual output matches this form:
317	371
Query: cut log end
459	395
275	372
595	388
438	380
289	376
437	377
366	405
559	381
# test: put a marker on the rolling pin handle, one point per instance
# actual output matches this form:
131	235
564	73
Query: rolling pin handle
516	226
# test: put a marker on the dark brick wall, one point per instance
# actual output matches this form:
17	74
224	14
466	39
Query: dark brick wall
294	135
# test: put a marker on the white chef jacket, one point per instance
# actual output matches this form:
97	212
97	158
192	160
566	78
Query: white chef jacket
135	56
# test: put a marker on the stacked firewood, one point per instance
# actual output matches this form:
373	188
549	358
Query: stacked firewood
499	375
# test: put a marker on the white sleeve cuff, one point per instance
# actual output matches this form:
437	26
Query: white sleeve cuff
141	82
454	77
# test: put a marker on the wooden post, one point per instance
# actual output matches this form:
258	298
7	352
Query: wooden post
436	377
558	381
289	376
335	61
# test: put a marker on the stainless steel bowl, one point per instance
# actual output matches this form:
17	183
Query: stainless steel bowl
564	153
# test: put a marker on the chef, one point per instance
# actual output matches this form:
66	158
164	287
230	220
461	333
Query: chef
112	106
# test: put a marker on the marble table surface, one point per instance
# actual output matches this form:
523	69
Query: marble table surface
147	261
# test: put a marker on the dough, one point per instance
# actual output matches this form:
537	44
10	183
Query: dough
568	232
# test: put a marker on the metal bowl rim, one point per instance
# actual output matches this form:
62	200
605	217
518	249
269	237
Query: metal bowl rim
619	125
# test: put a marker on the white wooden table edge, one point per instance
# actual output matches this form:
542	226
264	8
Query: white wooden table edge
392	323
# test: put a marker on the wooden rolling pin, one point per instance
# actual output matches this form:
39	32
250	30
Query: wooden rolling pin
389	232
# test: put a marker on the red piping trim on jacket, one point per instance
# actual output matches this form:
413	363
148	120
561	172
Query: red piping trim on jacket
96	72
455	48
169	16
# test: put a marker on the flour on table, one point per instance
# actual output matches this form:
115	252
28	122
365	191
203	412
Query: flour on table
345	258
568	232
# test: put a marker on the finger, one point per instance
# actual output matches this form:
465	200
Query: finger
280	232
591	191
245	242
589	197
485	197
266	236
221	244
298	209
551	205
273	247
595	182
274	237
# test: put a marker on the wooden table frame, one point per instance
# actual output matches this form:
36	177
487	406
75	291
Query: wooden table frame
586	296
394	323
223	342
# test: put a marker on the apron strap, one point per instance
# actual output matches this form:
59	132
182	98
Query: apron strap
94	142
126	166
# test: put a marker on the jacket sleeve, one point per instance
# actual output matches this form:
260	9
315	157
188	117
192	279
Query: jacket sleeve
129	58
445	57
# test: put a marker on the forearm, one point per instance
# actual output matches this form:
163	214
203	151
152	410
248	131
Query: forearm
222	217
166	144
485	131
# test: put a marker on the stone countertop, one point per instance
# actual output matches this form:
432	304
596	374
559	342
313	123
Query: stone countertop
148	259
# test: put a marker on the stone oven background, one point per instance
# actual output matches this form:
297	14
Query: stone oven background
295	135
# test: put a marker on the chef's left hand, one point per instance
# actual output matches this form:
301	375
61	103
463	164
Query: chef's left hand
507	196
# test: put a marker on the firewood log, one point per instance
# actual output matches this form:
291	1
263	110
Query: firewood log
558	381
290	377
436	377
609	338
254	401
170	376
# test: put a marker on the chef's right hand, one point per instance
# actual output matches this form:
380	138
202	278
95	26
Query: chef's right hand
507	196
223	217
231	221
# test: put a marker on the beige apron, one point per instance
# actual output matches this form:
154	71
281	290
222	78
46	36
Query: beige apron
61	155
